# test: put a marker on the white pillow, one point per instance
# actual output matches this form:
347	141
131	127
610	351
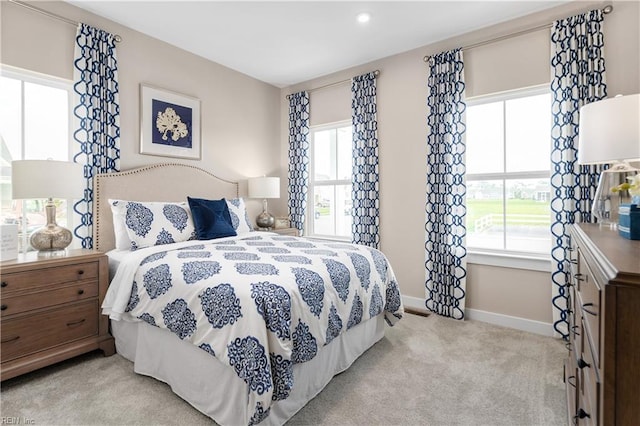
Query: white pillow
119	228
151	223
239	217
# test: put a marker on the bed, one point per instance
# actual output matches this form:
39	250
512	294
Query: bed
250	327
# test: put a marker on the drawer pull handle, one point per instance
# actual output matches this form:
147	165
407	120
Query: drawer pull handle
72	323
582	414
578	277
81	291
3	307
584	308
4	284
80	272
582	364
568	346
569	380
573	330
12	339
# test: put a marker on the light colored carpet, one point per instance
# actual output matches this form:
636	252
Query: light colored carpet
426	371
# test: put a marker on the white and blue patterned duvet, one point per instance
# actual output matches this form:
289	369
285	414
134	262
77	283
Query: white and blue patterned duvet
258	303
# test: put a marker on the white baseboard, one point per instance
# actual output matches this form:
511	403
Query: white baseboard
524	324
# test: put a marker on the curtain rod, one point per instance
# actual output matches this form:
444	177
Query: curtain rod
376	73
606	10
117	38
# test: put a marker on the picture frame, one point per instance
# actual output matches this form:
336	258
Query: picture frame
169	124
282	222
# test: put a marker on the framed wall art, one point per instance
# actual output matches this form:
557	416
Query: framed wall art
169	124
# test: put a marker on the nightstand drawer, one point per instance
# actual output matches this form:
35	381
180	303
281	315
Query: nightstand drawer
46	298
286	231
42	277
29	334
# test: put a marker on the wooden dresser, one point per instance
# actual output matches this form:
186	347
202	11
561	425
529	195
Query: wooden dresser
602	370
51	310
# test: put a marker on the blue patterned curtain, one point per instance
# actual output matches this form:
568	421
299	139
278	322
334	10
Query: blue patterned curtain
298	157
578	78
365	188
97	114
445	207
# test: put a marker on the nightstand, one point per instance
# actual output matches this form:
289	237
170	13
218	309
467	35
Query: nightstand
51	310
286	231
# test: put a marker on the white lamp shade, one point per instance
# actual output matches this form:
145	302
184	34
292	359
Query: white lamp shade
610	130
264	187
46	179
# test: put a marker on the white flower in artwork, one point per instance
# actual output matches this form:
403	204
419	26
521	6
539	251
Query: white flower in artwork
170	122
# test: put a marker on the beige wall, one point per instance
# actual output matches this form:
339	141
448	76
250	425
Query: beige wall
509	64
240	115
245	134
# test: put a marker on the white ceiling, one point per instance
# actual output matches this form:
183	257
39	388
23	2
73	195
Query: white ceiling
288	42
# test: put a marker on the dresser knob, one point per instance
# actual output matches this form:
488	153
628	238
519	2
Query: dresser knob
582	364
11	339
3	307
69	324
584	308
4	284
80	272
582	414
81	291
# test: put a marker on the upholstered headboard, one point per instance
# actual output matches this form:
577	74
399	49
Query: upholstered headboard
158	182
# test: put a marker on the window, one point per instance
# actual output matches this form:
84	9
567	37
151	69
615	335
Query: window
508	166
34	125
329	205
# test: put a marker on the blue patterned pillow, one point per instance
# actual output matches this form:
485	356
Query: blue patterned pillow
151	223
211	218
239	217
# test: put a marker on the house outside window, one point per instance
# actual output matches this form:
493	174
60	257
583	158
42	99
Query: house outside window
508	168
329	197
35	119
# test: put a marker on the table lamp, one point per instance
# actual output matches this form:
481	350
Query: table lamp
264	187
610	133
47	179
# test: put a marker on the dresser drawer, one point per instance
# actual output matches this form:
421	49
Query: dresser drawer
42	277
29	334
570	380
50	297
589	387
589	297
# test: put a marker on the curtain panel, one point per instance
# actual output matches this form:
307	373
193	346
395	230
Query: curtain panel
365	189
96	115
577	78
445	245
298	157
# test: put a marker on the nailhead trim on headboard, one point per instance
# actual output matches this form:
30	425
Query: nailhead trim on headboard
101	177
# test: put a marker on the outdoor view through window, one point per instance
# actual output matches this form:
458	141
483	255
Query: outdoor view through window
508	163
329	205
34	125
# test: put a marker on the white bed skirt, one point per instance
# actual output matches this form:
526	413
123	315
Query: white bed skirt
214	389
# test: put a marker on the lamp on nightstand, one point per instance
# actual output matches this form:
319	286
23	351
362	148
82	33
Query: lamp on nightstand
264	187
610	133
47	179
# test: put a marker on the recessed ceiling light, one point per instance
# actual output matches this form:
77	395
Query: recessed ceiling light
363	17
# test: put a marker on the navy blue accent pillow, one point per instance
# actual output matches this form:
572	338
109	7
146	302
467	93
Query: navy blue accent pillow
211	218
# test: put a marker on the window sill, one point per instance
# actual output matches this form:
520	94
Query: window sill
530	262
